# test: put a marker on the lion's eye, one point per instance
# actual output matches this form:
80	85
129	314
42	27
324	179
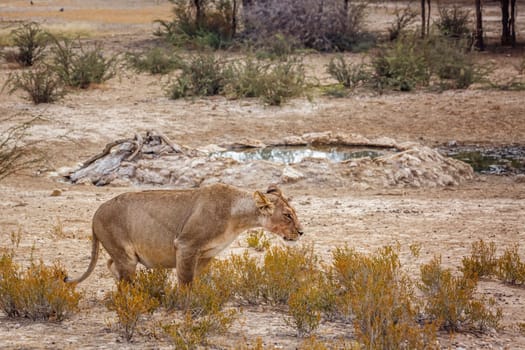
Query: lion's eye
288	216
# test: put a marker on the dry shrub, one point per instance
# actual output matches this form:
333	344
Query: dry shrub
511	269
16	153
38	292
324	25
193	331
450	300
482	261
248	278
258	241
305	309
154	282
285	270
130	302
347	74
381	300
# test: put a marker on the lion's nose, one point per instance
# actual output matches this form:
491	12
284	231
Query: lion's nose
300	232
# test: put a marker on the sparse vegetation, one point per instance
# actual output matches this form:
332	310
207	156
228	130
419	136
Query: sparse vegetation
31	42
450	300
38	292
130	302
511	269
454	22
80	67
348	74
482	261
154	61
207	75
40	84
16	154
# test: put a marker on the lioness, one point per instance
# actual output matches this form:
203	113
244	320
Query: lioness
183	229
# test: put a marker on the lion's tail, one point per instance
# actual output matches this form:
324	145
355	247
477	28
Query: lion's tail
94	257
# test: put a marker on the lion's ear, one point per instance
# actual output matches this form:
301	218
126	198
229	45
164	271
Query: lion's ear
263	204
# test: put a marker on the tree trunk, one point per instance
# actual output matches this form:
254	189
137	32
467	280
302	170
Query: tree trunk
234	18
198	12
428	17
506	38
480	45
423	18
513	22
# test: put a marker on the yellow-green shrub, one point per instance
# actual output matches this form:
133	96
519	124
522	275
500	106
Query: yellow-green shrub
510	268
193	331
38	292
381	300
482	261
285	269
130	302
450	300
258	241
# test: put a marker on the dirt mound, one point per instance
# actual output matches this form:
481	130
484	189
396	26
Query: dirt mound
155	160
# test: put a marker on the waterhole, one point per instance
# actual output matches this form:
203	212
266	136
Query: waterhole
490	160
295	154
485	160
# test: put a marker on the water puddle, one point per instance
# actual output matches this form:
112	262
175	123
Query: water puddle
490	160
296	154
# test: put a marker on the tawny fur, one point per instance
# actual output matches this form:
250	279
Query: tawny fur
183	229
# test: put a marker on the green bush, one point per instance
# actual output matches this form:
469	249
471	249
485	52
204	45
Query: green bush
207	75
401	65
41	84
38	292
214	29
450	300
31	42
203	75
154	61
347	74
81	67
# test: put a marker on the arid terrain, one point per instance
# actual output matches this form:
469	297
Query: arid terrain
444	221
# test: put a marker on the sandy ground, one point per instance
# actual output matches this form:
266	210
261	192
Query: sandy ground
444	221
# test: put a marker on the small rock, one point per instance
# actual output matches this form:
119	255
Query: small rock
56	193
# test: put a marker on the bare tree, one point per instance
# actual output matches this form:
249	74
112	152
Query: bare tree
479	27
508	19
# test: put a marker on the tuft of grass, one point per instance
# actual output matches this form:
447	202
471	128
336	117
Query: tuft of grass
38	292
450	300
130	302
482	261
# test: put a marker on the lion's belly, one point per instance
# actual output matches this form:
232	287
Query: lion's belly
152	257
